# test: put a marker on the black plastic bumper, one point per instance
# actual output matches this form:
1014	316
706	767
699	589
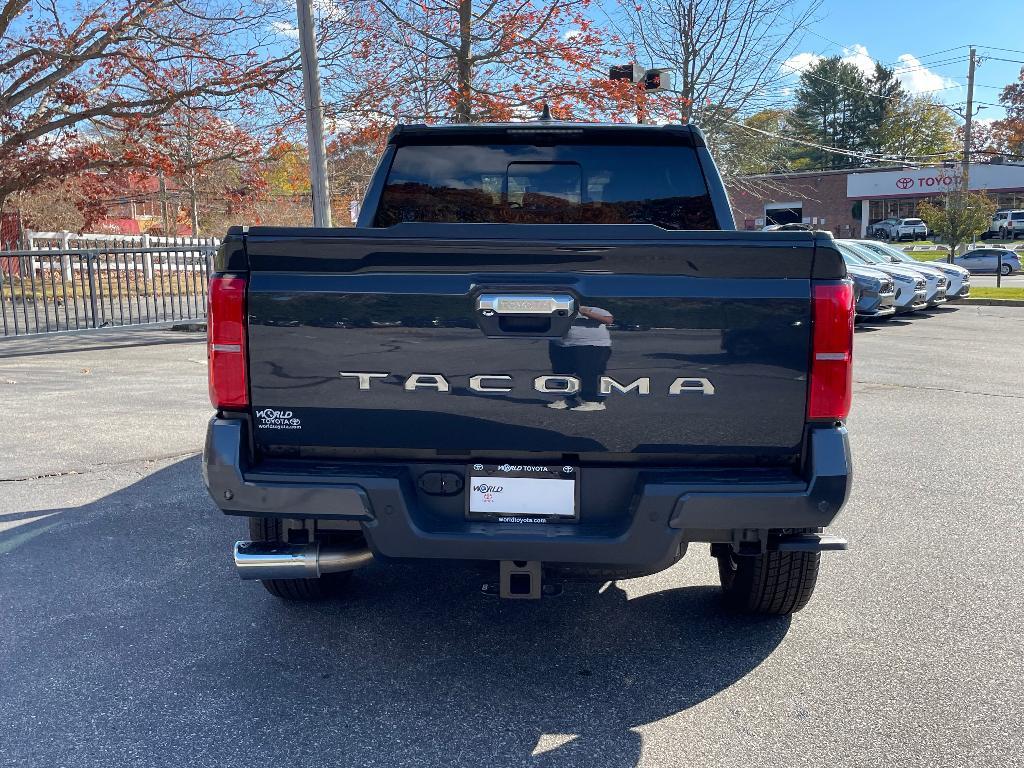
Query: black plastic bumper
663	515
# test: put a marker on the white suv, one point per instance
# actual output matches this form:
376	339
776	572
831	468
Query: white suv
1007	225
900	229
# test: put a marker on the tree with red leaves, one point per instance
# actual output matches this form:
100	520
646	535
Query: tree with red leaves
460	61
1009	132
90	86
212	159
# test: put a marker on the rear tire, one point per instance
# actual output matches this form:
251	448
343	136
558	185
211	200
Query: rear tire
1007	270
773	583
327	586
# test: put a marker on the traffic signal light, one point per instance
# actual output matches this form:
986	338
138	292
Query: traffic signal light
632	72
658	80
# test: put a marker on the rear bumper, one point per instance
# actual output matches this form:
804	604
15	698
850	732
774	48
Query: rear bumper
662	518
912	234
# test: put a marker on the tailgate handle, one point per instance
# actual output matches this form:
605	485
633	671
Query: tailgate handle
490	304
540	315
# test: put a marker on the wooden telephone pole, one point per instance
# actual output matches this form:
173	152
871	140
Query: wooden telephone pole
314	117
968	119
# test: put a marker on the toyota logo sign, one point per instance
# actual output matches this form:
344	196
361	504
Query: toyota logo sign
905	182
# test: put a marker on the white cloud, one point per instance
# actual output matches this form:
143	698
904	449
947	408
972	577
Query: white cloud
286	29
798	63
915	77
329	9
571	34
919	79
857	55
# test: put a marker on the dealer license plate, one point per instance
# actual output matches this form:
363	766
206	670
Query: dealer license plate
523	493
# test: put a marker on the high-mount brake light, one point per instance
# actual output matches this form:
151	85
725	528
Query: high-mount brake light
225	338
831	379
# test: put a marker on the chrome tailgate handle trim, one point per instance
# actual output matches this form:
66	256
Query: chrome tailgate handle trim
525	304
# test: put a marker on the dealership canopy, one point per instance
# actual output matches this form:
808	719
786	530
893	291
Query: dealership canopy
932	181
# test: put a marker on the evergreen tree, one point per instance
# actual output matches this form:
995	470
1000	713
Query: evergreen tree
832	109
887	98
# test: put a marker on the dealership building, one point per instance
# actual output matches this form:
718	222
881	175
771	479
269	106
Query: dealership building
845	202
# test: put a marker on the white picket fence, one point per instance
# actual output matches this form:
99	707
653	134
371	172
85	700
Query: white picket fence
65	241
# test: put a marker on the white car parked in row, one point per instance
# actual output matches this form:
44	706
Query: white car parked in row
899	229
958	278
911	286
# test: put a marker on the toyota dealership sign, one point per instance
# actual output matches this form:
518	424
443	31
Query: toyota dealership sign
932	181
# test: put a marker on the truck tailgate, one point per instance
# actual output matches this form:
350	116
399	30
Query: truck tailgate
371	343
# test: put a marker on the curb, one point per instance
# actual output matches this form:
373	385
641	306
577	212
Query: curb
190	327
989	302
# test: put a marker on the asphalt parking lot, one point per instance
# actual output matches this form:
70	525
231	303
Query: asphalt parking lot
126	639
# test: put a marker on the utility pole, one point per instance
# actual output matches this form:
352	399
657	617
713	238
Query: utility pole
163	206
968	116
314	117
968	120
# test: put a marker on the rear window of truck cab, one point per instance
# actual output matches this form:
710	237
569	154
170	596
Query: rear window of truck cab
561	184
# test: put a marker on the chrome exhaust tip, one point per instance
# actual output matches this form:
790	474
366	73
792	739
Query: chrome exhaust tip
269	560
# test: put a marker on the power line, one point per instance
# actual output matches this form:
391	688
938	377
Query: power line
833	150
994	48
996	58
937	53
922	64
803	71
897	70
927	65
849	50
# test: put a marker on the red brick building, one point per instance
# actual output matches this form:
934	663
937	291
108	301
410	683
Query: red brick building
812	197
140	207
846	202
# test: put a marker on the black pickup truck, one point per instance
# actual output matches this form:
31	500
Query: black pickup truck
544	350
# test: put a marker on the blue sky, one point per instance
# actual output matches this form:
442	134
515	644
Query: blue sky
886	30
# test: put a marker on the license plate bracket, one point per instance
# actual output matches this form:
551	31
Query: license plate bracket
523	493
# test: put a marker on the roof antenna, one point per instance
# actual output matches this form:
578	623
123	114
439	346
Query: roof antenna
545	113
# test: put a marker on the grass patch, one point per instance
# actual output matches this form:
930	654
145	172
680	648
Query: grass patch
991	292
936	250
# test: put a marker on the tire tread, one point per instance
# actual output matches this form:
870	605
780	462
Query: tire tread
773	583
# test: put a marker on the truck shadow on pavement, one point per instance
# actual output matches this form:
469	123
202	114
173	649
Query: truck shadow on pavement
131	635
868	325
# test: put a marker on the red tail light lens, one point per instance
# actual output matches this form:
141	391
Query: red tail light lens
831	389
225	336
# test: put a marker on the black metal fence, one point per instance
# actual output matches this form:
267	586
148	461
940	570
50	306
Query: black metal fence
45	291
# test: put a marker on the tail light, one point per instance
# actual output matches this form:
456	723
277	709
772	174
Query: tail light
225	337
831	389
